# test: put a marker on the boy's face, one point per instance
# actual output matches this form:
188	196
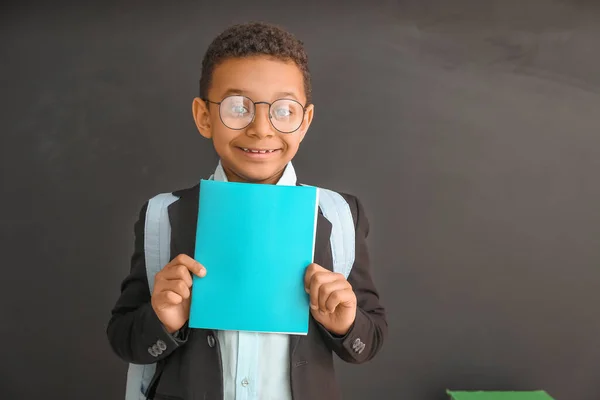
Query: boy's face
261	79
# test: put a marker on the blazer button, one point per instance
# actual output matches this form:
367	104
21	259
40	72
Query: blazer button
211	340
358	346
152	352
161	345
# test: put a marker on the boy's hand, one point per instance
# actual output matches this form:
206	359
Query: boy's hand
172	294
332	300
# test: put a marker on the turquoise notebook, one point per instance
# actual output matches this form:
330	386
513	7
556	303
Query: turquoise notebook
255	242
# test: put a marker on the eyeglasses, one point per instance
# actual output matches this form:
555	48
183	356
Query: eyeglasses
237	112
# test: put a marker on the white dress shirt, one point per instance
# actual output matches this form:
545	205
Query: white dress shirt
256	366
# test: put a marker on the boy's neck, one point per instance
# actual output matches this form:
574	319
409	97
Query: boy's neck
233	177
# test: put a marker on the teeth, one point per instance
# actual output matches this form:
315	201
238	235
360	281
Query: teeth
257	151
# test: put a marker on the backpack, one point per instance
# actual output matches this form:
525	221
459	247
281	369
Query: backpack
157	238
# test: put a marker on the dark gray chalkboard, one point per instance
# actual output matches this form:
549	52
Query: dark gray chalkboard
470	130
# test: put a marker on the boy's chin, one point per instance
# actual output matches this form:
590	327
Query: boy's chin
258	174
254	172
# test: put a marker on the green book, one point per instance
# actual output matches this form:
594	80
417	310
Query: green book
482	395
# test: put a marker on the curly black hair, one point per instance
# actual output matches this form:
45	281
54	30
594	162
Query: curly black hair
251	39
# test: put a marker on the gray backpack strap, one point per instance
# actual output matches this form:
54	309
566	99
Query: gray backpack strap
157	250
337	211
157	235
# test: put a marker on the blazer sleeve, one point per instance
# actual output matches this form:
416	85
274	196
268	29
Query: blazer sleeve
366	336
134	331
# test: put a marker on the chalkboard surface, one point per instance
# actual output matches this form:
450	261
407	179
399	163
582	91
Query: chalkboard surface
470	130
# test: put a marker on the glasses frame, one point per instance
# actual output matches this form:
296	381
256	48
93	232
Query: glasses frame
255	103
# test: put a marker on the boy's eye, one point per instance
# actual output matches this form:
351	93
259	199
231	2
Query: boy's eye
282	112
239	110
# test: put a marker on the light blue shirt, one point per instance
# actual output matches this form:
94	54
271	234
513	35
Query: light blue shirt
256	366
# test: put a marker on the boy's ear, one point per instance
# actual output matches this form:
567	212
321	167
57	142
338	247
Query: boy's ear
308	117
202	117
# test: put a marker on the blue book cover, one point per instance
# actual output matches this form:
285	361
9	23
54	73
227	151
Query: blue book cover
255	241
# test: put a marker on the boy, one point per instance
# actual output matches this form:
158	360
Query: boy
255	106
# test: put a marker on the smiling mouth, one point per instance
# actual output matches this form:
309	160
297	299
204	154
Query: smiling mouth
257	151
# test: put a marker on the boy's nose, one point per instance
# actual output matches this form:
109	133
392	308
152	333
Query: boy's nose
261	126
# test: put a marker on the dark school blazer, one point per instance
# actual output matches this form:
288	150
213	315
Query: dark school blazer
189	364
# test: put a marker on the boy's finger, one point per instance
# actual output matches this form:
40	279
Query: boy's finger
192	265
326	291
176	272
311	270
343	297
167	298
196	268
318	279
182	259
178	287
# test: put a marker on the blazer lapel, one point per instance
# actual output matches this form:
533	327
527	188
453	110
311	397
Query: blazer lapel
183	215
322	257
322	253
